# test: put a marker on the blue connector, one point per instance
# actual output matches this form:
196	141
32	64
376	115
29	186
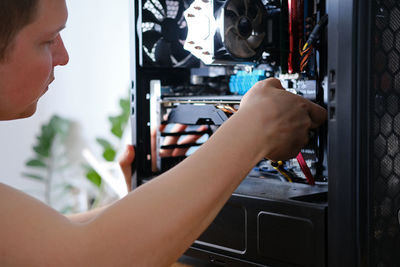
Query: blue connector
242	81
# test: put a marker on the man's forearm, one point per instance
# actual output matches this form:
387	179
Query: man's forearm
159	220
87	216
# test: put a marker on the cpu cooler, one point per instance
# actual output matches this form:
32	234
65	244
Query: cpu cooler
163	32
230	31
244	31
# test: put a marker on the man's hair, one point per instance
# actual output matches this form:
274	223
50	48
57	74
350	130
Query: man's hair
14	15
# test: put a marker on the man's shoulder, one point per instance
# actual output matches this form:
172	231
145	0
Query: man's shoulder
4	186
14	199
6	189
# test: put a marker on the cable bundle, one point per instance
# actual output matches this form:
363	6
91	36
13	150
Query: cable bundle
306	51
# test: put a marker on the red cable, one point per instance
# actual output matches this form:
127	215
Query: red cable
305	169
292	37
295	12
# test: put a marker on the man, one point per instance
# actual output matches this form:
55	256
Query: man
157	222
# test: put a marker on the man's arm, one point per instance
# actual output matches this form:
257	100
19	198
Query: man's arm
87	216
125	162
155	224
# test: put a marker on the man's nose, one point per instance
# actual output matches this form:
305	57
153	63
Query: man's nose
60	54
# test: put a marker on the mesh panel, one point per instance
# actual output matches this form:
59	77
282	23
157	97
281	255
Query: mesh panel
385	243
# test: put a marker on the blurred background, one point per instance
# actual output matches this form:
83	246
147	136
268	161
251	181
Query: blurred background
74	115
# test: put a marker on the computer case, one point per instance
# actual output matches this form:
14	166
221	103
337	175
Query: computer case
351	216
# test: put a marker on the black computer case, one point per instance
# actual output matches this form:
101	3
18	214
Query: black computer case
363	130
351	216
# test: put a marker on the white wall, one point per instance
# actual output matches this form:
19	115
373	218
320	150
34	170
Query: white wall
86	91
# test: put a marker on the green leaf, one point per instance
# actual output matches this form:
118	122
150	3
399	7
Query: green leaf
93	177
119	122
104	143
117	131
117	125
34	176
42	151
60	125
115	119
126	109
109	154
124	104
48	133
36	163
44	143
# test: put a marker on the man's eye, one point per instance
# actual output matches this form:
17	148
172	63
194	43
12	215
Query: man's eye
50	42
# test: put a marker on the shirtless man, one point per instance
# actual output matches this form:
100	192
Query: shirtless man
157	222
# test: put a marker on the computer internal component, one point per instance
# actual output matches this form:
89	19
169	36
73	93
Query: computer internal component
239	43
162	34
226	32
196	60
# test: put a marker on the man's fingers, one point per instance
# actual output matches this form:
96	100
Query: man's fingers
188	140
162	127
125	162
171	140
273	82
317	114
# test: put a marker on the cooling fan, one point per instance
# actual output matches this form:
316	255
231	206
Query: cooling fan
164	31
244	28
225	32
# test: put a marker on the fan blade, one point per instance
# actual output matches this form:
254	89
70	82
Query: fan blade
147	16
236	6
237	46
150	38
178	52
182	34
230	19
164	6
246	6
252	10
163	52
232	29
242	49
180	11
258	19
255	41
160	4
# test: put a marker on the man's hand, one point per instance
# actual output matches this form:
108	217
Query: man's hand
125	161
172	140
284	118
127	158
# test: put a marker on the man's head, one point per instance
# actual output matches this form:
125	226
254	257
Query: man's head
30	48
14	15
